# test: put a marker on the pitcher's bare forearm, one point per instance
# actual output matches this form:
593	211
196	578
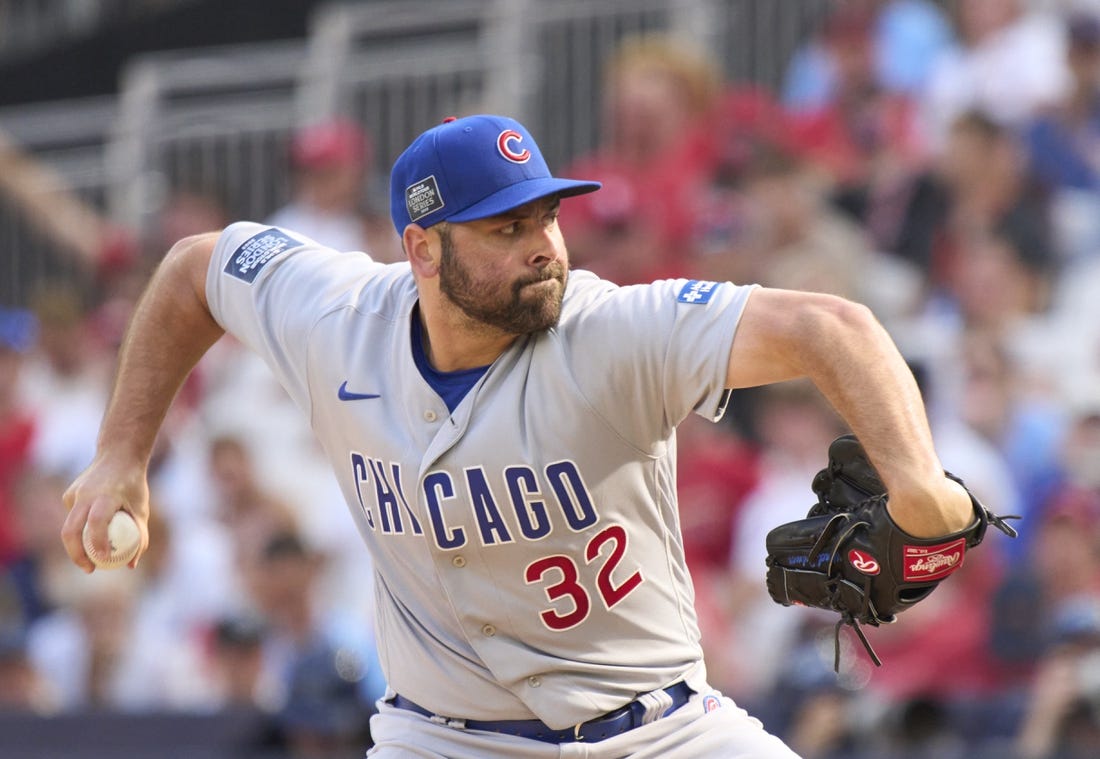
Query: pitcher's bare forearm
853	361
170	330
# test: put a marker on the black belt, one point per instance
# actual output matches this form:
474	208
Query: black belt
609	725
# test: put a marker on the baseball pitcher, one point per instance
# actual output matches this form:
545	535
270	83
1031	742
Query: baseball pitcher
503	430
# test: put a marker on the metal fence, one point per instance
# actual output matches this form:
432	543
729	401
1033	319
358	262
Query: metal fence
541	60
213	120
218	120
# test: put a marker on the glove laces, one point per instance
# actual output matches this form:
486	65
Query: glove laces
848	617
850	620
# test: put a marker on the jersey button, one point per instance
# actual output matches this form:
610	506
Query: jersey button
534	681
489	630
459	561
430	416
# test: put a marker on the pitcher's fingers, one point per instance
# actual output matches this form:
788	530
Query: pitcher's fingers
102	509
68	498
72	537
96	514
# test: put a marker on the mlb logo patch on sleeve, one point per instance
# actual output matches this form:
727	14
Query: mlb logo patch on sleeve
697	291
256	251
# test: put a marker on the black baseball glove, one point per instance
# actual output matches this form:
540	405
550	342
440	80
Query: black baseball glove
848	556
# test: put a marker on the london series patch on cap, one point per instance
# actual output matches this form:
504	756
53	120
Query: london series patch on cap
423	198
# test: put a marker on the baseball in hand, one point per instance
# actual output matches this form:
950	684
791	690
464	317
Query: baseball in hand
125	539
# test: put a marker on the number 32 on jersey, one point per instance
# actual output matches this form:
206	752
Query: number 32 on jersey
562	578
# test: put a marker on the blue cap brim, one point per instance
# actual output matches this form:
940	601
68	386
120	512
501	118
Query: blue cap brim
521	193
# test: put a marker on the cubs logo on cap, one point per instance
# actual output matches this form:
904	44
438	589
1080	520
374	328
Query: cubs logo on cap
505	142
472	168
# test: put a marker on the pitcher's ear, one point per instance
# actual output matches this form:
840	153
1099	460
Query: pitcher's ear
421	250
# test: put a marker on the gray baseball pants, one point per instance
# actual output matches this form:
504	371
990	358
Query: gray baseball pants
690	732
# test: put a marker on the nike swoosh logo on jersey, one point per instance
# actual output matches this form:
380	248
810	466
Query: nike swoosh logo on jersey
346	395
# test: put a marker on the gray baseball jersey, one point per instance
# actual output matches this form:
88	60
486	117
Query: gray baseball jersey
526	547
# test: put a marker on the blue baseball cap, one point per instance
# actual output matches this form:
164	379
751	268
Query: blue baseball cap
472	168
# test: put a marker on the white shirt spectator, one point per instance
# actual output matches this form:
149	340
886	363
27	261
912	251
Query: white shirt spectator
1009	75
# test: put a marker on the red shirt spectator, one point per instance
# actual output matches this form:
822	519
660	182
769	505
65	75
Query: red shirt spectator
17	334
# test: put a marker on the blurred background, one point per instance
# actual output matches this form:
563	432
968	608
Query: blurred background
936	160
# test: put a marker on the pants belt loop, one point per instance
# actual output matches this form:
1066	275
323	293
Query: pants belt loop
656	703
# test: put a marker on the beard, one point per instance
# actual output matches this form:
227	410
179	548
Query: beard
516	308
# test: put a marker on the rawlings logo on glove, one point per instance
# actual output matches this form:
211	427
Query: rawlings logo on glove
848	556
933	562
865	563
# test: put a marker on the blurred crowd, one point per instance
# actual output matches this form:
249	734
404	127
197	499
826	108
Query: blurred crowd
941	166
